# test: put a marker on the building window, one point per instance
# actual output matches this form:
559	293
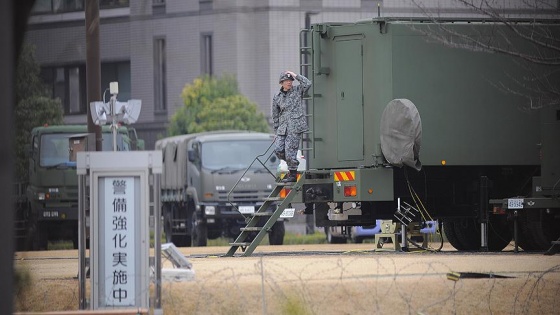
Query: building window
69	85
108	4
61	6
57	6
205	5
116	72
207	66
160	86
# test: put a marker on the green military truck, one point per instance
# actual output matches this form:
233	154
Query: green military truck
47	205
210	183
479	163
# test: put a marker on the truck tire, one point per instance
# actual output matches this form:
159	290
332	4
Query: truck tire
167	228
333	239
276	234
499	233
538	229
357	239
177	239
75	238
449	230
467	232
199	231
40	237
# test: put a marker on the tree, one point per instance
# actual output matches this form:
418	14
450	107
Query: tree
34	107
215	104
521	30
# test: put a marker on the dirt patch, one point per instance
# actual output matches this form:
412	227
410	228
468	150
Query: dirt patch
325	279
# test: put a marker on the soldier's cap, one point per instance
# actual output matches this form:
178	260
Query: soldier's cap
285	76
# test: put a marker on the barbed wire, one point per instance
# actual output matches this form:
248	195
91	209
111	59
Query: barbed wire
356	283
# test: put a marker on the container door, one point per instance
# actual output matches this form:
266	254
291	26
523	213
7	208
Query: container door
349	100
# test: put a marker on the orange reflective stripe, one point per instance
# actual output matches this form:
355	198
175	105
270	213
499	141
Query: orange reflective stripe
344	176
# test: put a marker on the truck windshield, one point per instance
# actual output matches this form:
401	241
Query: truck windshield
55	150
235	155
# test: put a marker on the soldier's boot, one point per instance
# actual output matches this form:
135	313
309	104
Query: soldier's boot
291	177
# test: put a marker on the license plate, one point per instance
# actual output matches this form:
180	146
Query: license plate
515	203
246	209
288	213
50	214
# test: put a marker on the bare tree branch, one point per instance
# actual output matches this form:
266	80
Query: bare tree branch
527	30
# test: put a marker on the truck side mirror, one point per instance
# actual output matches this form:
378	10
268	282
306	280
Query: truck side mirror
191	155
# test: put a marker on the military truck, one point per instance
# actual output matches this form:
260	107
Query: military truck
401	122
199	195
47	205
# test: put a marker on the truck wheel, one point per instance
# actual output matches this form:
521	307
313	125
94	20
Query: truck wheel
538	229
333	239
75	238
167	229
357	239
177	240
499	233
449	230
40	237
467	233
199	231
276	234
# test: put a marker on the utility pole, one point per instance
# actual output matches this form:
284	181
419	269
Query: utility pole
93	66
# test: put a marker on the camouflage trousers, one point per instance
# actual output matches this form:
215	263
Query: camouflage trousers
286	147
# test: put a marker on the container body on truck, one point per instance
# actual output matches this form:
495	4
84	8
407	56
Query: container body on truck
47	205
200	198
387	88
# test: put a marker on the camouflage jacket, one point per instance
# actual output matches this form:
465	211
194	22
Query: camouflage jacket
287	108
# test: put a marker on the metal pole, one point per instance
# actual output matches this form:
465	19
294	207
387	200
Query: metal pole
157	223
484	215
112	105
82	241
515	231
93	66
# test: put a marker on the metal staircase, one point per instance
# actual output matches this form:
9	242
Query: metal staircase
242	240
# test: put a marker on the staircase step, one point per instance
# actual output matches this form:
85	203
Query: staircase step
240	244
251	229
262	214
282	184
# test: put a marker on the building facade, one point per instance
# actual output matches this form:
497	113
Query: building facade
153	48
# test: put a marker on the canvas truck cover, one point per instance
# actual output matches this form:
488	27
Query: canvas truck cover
401	134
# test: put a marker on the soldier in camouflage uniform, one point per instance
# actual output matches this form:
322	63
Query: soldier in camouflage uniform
289	120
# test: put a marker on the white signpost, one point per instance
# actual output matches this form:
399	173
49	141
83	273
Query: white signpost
120	226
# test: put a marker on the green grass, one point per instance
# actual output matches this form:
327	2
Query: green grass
60	245
289	239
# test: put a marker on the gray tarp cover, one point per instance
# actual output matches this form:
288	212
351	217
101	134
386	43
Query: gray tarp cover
401	134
